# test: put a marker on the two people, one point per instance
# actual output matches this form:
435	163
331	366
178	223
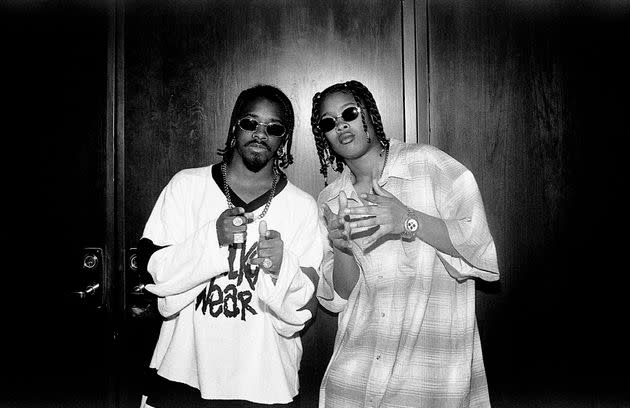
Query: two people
238	256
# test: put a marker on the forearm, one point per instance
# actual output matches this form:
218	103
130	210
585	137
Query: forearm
289	300
345	273
185	265
433	231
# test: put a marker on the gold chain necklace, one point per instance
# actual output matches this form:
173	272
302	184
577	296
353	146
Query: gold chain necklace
226	189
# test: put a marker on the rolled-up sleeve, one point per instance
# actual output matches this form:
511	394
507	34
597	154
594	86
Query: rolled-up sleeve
463	212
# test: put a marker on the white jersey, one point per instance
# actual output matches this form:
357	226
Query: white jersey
230	332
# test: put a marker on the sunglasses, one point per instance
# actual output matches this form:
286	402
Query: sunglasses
275	129
348	115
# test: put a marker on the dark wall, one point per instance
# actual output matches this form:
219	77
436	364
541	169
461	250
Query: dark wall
532	98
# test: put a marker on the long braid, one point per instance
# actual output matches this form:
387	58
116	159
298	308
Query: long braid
363	96
275	95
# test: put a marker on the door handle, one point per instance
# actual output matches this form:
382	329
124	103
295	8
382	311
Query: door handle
89	291
87	280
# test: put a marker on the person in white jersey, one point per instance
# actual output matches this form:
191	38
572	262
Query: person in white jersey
233	250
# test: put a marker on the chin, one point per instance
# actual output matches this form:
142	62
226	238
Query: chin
255	163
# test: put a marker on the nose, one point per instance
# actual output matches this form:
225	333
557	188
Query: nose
260	133
341	125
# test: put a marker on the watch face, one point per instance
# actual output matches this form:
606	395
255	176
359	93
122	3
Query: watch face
411	224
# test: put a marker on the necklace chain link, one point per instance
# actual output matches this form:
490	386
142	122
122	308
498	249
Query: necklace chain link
226	189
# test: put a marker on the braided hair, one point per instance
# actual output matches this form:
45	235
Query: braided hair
362	96
273	94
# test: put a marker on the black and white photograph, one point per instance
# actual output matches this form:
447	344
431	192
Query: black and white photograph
315	203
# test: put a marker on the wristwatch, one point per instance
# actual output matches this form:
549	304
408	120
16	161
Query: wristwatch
411	225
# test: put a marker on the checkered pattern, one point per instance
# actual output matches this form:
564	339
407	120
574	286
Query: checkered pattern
407	335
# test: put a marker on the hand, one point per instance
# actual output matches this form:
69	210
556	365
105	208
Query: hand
338	229
226	227
388	213
270	245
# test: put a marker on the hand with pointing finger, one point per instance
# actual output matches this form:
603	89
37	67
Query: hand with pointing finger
232	221
337	226
389	213
270	250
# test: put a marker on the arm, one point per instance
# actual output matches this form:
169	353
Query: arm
339	270
288	292
186	261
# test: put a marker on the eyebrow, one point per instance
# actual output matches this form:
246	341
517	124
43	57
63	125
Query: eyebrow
344	106
273	119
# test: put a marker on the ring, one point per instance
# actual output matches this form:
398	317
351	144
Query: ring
239	237
237	221
267	263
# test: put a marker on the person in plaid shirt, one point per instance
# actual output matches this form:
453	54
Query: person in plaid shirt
406	237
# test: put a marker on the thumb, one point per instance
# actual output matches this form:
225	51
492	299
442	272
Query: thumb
327	212
262	229
380	191
343	202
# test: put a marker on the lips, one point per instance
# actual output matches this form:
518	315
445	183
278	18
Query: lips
258	146
345	138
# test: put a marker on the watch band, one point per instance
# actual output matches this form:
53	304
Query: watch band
411	225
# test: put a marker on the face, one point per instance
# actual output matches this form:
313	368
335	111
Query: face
257	147
347	137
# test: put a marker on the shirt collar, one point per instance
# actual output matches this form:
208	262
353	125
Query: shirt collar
396	166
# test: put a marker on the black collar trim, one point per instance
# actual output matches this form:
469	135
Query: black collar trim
256	203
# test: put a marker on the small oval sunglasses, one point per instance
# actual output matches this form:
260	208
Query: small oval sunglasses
275	129
349	114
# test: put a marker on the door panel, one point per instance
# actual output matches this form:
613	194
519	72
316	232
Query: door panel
521	93
58	346
186	62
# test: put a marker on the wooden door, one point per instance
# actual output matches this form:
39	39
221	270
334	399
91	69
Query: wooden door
185	63
57	326
531	97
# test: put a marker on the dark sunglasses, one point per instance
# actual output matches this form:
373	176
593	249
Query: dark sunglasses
275	129
348	115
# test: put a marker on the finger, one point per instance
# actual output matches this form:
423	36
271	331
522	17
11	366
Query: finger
343	202
363	210
265	252
373	198
274	244
249	217
272	234
337	234
369	222
236	211
262	229
257	261
380	190
328	214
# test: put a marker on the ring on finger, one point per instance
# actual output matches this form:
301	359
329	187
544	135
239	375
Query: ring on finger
239	237
267	263
237	221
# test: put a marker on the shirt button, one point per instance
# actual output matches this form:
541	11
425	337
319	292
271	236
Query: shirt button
378	357
382	314
380	276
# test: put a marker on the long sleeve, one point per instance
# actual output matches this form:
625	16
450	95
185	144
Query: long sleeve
293	289
186	262
326	293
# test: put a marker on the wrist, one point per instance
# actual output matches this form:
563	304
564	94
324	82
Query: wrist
411	225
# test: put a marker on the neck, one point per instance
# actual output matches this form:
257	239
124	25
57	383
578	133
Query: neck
238	170
368	166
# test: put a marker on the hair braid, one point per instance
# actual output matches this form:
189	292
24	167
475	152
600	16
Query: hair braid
362	96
